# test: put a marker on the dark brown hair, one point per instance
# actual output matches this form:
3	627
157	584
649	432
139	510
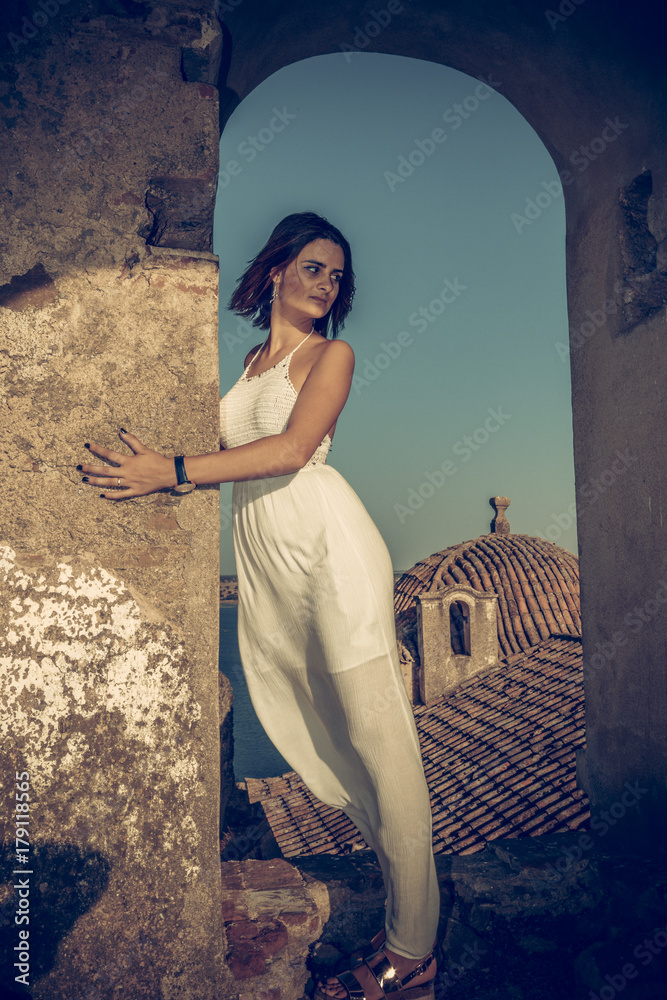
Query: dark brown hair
252	297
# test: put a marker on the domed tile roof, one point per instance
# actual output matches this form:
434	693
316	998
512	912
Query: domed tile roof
537	584
499	750
499	757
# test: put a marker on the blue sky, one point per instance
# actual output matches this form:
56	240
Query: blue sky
455	215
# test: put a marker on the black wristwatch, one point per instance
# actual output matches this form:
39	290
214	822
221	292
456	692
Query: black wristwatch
184	485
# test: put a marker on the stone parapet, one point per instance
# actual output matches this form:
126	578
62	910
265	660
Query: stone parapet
272	915
551	918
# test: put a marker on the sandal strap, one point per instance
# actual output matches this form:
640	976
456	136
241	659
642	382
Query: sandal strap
418	969
385	973
352	985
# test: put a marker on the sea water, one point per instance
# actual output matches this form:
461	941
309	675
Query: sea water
254	754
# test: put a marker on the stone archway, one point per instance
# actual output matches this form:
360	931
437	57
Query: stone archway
588	83
108	304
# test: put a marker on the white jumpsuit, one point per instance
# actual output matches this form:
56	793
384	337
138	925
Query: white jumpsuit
318	646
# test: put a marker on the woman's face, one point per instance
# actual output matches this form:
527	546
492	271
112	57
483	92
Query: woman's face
309	284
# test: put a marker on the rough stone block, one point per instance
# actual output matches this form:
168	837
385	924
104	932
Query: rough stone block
35	289
181	212
272	938
200	59
246	961
241	930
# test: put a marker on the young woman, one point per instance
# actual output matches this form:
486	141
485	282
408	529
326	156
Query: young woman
315	586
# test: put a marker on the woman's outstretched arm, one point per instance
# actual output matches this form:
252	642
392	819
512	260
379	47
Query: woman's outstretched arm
319	403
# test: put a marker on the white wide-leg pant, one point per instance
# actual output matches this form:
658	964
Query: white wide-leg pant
318	645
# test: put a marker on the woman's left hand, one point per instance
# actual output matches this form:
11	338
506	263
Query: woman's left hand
135	475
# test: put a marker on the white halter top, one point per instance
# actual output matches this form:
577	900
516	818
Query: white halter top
259	405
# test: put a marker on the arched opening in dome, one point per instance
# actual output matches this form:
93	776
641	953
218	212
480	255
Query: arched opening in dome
459	628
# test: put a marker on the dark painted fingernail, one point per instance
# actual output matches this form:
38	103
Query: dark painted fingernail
123	431
86	445
79	468
102	496
84	479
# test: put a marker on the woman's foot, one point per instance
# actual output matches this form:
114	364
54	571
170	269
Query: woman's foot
336	990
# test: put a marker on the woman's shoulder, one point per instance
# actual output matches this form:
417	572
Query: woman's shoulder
334	348
339	349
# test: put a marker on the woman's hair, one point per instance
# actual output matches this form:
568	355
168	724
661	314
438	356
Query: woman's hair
252	297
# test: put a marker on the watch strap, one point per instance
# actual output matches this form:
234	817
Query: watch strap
181	474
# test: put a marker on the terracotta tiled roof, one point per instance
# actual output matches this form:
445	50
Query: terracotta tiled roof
537	584
499	758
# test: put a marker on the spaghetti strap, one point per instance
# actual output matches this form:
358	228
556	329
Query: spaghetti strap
282	361
299	345
254	356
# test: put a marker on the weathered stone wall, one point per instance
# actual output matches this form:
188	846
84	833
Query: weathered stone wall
589	78
108	318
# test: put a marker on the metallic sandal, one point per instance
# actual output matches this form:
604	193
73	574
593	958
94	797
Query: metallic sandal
387	980
375	944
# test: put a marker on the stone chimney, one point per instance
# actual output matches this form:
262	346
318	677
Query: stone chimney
458	637
500	525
